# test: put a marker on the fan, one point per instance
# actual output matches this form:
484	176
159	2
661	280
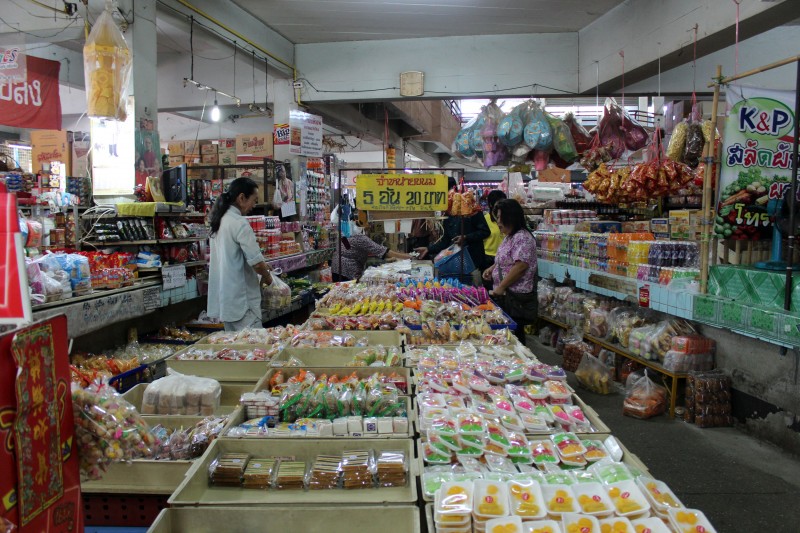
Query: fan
780	212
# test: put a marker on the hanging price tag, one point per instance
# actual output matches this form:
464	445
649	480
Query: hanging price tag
173	276
401	192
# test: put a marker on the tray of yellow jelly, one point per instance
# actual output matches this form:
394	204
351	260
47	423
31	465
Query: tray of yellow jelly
580	523
690	521
541	526
650	525
490	499
592	499
660	496
505	524
559	499
526	499
628	500
618	524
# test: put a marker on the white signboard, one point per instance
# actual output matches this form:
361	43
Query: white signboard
306	134
173	276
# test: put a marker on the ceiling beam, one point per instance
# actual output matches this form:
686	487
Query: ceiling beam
649	30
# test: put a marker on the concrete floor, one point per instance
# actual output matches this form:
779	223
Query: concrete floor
740	483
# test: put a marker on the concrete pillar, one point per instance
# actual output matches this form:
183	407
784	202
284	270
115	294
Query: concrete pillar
284	103
144	41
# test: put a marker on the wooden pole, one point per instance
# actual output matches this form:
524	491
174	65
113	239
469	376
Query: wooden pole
709	156
720	81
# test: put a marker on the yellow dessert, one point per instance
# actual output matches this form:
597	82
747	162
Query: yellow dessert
505	528
561	502
686	517
545	529
623	502
663	498
591	504
489	505
527	506
617	527
455	498
584	525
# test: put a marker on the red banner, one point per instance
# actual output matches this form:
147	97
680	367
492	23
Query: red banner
14	301
34	103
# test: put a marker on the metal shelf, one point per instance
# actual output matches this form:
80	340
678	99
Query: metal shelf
189	264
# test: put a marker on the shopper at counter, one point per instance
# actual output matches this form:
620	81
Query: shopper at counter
465	231
491	243
514	270
355	252
234	292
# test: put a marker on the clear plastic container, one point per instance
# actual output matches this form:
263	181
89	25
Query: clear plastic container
512	422
526	499
434	456
433	481
471	424
544	452
560	415
541	526
650	525
490	500
559	499
580	522
660	496
507	524
618	524
454	498
592	499
609	472
690	521
568	444
628	500
558	392
595	451
534	423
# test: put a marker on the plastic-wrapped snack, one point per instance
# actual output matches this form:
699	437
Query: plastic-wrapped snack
357	469
290	475
228	469
325	472
391	467
107	429
677	141
258	474
562	139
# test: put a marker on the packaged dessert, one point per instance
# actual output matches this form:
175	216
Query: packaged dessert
610	472
391	467
290	475
258	473
594	450
650	525
543	452
357	469
455	498
568	444
580	523
508	524
690	521
628	500
324	472
541	526
617	524
660	496
490	499
526	499
592	499
559	499
228	469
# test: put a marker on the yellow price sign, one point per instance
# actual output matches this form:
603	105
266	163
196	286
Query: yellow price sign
401	192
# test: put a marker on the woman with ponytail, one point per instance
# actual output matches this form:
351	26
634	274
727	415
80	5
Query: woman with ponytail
234	292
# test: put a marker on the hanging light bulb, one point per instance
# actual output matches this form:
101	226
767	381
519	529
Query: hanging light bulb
215	110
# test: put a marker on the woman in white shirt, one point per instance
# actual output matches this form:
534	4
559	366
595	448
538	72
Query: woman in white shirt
234	292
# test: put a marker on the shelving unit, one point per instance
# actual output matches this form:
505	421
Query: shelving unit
188	264
674	377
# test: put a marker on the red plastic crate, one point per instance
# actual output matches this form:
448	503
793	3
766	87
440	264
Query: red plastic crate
122	509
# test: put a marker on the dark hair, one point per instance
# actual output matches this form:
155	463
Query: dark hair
491	200
238	186
510	213
451	182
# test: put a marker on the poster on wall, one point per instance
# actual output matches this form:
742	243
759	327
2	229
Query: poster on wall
33	102
756	161
305	134
281	134
148	152
113	154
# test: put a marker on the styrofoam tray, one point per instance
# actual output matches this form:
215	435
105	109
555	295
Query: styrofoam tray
323	356
243	371
229	401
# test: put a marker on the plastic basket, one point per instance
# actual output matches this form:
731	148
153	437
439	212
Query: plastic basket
127	380
451	265
122	509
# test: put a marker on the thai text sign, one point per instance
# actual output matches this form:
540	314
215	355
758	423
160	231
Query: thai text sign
756	161
401	192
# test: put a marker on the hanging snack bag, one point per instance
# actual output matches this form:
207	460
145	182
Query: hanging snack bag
562	139
107	67
537	133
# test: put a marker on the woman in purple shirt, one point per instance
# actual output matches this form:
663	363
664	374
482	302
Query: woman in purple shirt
514	266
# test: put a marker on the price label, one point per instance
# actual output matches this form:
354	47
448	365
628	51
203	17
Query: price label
173	276
152	298
401	192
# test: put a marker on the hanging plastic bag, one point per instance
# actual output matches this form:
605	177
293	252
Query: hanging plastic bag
695	138
562	139
580	136
594	375
276	295
516	187
107	67
494	152
537	133
644	399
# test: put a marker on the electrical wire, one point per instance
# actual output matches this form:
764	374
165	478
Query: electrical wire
495	89
62	30
48	17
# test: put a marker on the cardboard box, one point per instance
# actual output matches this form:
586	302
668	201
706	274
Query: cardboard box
683	224
49	145
208	148
659	225
192	159
175	160
191	148
636	226
80	144
226	149
209	159
554	175
253	148
175	148
605	227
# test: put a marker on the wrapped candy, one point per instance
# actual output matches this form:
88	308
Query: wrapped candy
107	429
